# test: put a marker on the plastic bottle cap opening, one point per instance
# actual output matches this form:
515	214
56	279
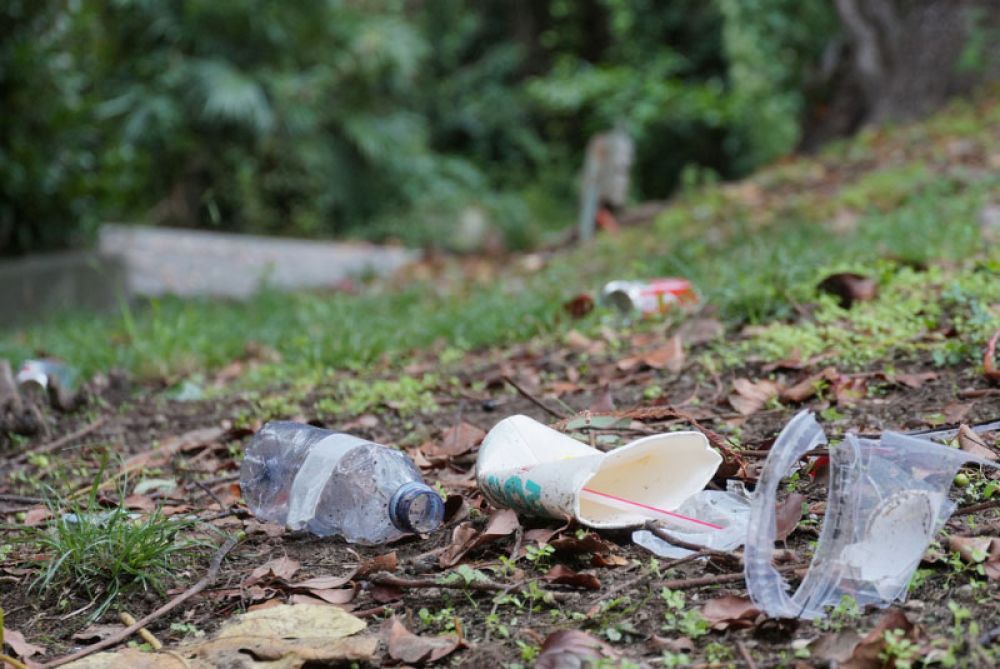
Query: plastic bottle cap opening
414	507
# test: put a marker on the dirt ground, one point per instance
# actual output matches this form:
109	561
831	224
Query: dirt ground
199	444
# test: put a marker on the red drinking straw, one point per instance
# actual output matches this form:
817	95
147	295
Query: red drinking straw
653	508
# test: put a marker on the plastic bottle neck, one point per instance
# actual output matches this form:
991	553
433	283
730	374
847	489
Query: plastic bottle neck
417	508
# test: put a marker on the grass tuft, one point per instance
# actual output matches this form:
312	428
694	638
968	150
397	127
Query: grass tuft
105	552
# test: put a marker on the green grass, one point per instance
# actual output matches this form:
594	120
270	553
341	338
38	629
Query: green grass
102	553
756	251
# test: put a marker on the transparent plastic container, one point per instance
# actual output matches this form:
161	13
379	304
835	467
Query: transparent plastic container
331	483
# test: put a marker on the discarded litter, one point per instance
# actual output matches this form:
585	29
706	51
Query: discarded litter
657	296
887	500
728	511
333	483
533	469
46	372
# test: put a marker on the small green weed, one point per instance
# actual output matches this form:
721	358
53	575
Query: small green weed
689	623
103	553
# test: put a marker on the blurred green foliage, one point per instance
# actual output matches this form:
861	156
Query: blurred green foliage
381	118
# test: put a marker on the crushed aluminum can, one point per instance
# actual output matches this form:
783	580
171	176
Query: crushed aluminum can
46	372
655	296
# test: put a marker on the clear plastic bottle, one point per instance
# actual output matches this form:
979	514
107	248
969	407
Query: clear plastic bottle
331	483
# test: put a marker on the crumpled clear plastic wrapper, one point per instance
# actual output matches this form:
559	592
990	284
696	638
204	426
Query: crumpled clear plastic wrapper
730	510
887	499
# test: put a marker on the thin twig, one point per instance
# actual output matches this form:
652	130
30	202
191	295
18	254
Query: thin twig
61	441
115	639
21	499
680	543
534	400
976	508
717	579
208	491
745	654
385	578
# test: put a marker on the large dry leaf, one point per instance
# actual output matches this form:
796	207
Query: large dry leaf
974	444
170	446
809	386
405	646
280	569
501	524
278	637
293	622
749	397
700	330
563	575
729	612
669	356
915	380
456	440
20	646
866	653
787	515
572	649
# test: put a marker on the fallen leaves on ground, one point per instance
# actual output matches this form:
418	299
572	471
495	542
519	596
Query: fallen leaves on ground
866	654
405	646
456	440
670	357
787	514
280	569
729	612
20	645
563	575
976	550
749	397
571	649
465	537
278	637
974	444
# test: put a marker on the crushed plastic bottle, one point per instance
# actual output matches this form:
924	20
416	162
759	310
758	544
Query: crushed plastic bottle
327	483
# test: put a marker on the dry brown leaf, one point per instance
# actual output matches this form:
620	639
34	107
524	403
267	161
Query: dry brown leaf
323	582
96	633
681	644
835	647
20	645
277	637
501	524
278	569
405	646
36	516
563	575
970	548
955	412
568	649
849	288
385	562
669	356
915	380
866	653
787	514
608	560
974	444
700	330
749	397
579	306
170	446
809	386
729	612
849	389
990	370
589	543
604	402
456	440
